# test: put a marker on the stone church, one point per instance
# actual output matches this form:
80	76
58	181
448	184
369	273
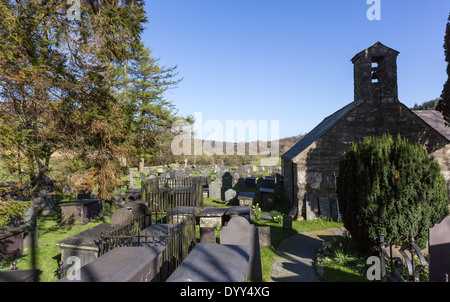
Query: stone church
310	166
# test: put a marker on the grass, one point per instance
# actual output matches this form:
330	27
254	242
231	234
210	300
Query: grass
47	255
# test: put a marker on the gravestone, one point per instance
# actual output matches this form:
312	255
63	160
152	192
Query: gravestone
439	250
227	181
214	190
42	197
121	216
242	185
324	206
187	171
264	236
240	232
208	235
312	206
250	182
131	181
241	170
179	173
230	194
235	178
142	176
28	222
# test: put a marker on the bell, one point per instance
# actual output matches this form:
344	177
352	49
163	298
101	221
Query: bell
375	75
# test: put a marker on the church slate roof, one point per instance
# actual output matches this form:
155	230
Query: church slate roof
434	119
320	130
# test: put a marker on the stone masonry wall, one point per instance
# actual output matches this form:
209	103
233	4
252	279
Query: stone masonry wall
317	165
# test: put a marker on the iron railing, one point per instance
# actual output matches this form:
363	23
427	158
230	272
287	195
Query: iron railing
179	239
165	194
396	262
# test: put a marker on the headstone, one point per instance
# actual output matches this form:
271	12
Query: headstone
241	170
235	178
28	222
264	236
439	250
142	176
334	209
179	173
242	185
312	206
208	235
250	182
235	211
324	206
240	232
214	190
80	212
131	181
42	197
227	181
230	194
187	171
121	216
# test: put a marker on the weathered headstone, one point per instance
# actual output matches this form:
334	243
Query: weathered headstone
227	181
179	173
208	235
312	206
28	222
42	197
246	198
215	189
324	206
211	217
439	250
264	236
230	194
240	232
235	178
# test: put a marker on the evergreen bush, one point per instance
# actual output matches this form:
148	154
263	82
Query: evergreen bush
390	187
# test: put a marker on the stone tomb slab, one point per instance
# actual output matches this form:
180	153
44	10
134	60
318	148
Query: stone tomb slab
210	262
240	232
123	264
211	217
84	245
81	211
178	214
235	211
157	234
246	198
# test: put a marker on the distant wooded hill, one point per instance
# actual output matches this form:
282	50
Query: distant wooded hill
430	105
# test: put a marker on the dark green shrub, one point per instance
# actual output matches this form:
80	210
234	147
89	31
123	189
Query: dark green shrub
389	187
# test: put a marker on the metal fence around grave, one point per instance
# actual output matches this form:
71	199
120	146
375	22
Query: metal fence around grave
165	194
179	240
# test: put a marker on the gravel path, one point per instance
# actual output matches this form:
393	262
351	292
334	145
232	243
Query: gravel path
296	256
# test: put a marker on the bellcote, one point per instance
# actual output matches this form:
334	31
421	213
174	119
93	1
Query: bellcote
375	74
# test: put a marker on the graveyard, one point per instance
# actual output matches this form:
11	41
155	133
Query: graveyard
61	234
104	178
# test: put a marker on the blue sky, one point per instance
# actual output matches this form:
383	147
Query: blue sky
289	60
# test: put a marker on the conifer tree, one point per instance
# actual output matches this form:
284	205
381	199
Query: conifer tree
444	103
